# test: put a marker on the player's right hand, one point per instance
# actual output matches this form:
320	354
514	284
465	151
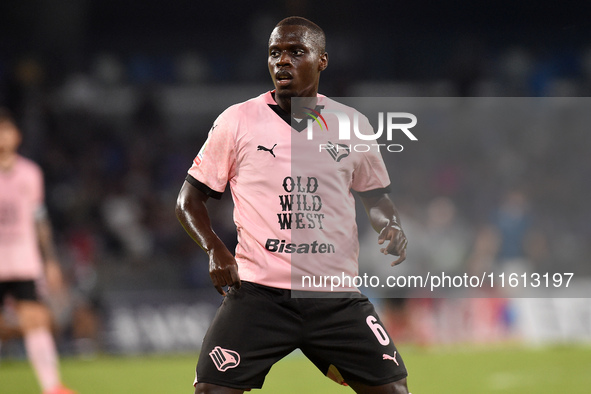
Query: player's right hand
223	269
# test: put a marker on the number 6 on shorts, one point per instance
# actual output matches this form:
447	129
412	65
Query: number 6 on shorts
378	330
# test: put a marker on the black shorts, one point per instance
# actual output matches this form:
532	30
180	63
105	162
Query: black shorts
20	290
257	325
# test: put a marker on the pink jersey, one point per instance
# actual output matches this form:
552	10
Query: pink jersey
21	197
293	206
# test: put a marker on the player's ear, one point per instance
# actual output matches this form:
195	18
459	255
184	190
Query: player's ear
323	62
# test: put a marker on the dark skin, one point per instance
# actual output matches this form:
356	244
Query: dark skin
295	63
192	213
383	218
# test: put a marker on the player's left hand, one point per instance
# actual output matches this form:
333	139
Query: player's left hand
397	242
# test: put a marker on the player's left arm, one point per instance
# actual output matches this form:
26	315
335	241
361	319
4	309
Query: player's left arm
384	219
53	270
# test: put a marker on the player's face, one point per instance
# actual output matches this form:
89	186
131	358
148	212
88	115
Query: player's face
10	137
295	62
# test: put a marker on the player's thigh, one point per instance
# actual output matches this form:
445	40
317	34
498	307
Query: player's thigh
348	342
32	315
253	328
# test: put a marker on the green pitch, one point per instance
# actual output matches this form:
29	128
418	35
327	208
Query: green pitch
438	370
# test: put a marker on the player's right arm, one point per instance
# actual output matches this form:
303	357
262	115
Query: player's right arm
192	213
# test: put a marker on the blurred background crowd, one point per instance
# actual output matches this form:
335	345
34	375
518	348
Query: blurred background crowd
115	99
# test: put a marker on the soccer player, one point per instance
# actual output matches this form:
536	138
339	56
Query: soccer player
284	193
25	244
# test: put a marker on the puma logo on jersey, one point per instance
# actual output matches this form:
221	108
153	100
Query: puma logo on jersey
260	147
224	359
388	357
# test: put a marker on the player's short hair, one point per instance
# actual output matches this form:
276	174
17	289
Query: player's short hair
318	35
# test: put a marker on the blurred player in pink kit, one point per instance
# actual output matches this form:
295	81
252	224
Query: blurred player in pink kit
27	253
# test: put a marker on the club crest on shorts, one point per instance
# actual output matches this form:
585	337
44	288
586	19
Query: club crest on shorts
224	359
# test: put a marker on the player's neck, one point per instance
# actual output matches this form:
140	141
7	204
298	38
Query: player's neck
303	102
283	102
7	160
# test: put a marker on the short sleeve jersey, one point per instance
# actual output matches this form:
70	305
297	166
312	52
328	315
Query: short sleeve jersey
293	206
21	197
